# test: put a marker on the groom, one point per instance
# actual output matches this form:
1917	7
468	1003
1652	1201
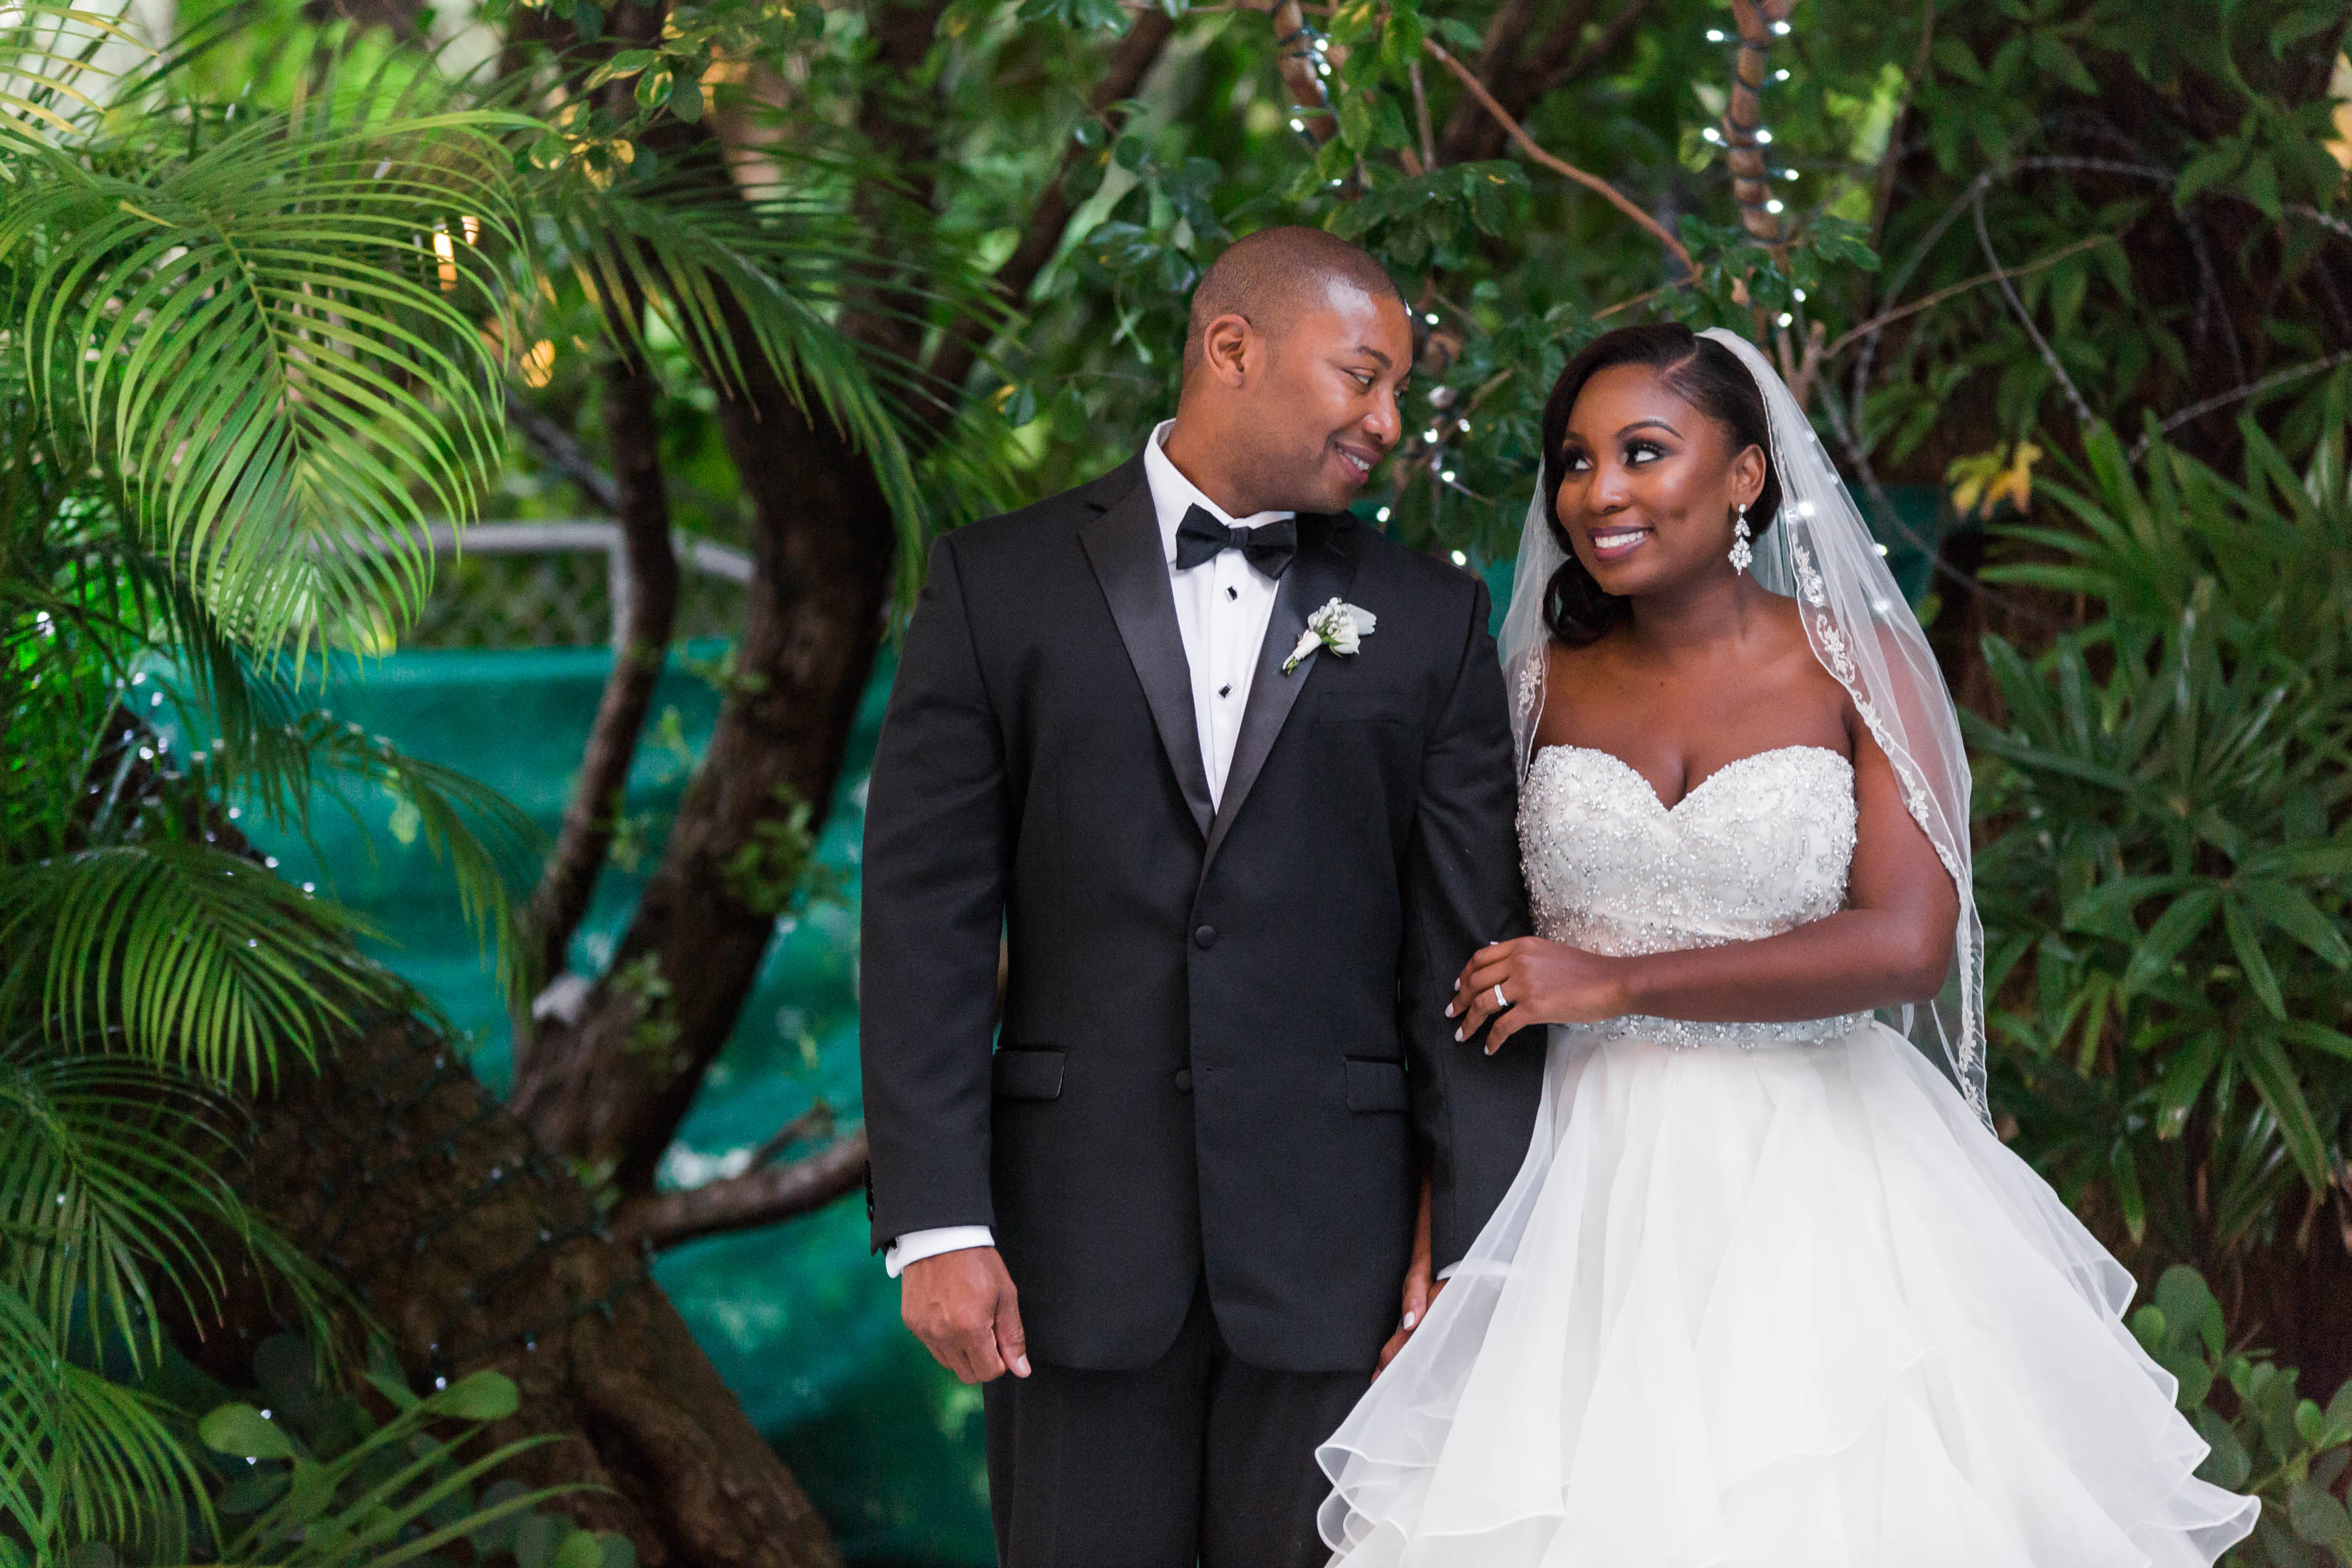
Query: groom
1173	1195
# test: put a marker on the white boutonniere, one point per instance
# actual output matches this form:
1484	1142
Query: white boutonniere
1338	625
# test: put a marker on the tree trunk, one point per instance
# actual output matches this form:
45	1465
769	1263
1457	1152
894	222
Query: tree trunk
395	1168
611	1087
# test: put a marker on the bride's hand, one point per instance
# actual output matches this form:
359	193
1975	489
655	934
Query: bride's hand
1544	982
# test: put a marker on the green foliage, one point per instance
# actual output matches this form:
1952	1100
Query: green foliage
315	1478
238	322
2265	1440
2164	892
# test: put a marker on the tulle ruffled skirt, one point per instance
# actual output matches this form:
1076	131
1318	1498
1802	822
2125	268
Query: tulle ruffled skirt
1791	1306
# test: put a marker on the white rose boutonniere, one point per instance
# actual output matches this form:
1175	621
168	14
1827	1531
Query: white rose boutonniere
1338	625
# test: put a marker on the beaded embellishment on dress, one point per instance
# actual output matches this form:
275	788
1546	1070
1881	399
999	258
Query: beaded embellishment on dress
1760	846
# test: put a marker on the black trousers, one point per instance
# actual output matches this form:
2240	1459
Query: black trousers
1196	1459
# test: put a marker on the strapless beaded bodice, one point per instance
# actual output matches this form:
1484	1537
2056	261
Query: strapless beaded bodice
1760	847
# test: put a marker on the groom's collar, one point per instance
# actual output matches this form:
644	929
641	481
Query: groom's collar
1122	482
1173	495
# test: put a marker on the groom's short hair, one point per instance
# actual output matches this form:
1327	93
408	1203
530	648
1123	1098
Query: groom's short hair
1268	276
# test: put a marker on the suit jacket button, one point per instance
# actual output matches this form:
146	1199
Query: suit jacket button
1204	936
1184	1080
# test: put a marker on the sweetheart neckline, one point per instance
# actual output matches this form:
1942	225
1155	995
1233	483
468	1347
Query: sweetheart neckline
1651	790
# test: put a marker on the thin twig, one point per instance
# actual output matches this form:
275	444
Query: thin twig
814	1123
1927	301
2083	415
1420	117
1559	165
2237	395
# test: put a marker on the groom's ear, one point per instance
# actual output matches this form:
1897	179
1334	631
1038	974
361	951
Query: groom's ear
1231	350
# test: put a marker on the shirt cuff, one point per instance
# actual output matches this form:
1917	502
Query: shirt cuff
917	1245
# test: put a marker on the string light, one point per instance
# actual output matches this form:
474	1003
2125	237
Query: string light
1780	75
1382	515
1712	134
1460	559
1430	316
1773	206
1799	294
1787	319
1299	125
1780	29
1763	137
1715	35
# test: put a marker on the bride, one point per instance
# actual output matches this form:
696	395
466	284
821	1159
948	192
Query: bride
1767	1290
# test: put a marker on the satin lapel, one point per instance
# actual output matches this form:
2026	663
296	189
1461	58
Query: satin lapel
1131	563
1325	565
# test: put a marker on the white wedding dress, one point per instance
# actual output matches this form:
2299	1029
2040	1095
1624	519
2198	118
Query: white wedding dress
1763	1295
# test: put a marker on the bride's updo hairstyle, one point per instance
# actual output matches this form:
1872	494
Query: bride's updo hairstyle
1703	373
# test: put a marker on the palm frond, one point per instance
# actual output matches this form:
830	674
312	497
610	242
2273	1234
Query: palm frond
280	761
186	953
274	340
777	260
85	1459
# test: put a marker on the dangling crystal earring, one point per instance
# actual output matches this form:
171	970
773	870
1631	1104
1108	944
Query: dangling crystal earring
1741	554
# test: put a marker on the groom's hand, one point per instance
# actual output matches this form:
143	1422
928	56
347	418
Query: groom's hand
964	1306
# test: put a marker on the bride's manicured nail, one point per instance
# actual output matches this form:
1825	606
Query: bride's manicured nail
1449	1009
1411	1319
1457	1034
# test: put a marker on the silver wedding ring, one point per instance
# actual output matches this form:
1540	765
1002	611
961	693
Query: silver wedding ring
1500	1000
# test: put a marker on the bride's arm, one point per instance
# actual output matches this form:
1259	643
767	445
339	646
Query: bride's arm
1891	944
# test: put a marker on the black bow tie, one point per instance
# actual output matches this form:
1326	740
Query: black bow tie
1269	546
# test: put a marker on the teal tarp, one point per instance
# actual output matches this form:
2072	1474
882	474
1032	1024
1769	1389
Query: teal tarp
798	1319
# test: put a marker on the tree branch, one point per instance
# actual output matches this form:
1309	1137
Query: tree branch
1554	65
1847	337
556	445
1529	146
757	1197
1041	237
647	615
1469	134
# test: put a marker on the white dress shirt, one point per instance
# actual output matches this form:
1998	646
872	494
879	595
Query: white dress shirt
1223	606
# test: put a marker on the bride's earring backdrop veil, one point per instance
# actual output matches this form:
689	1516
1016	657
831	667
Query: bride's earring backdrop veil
1821	554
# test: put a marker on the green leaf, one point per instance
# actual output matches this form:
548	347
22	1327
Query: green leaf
2247	945
2273	1078
1461	34
2181	924
2319	1518
2185	1077
241	1432
2228	1464
581	1548
2260	184
478	1396
536	1538
2211	167
2187	1300
2339	1409
1356	119
1955	59
2291	910
2106	910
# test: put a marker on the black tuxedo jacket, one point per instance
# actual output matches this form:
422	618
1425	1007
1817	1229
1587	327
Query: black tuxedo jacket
1223	1048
